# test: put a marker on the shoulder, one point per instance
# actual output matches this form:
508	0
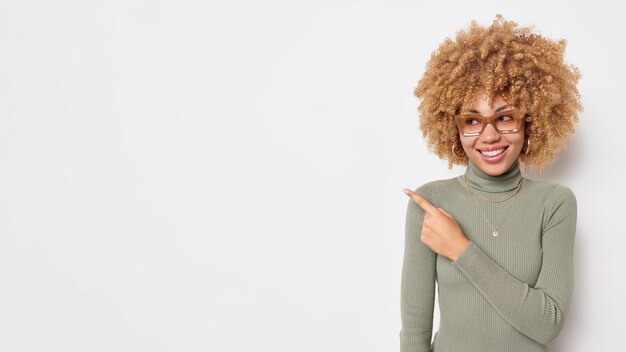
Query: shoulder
562	193
556	197
563	199
554	192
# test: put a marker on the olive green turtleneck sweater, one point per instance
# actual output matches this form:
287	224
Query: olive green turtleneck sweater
506	293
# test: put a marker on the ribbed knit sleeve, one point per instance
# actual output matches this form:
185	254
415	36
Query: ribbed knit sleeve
418	282
538	312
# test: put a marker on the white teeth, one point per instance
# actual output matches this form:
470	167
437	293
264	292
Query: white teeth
492	152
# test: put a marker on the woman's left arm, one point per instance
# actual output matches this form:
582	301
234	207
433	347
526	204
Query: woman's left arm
539	311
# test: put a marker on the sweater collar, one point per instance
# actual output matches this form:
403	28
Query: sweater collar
505	182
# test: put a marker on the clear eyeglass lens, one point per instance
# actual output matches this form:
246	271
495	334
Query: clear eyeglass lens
471	124
506	123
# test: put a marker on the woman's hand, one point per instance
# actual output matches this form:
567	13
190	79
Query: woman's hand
440	232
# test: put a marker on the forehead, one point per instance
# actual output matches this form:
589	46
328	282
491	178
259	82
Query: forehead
483	105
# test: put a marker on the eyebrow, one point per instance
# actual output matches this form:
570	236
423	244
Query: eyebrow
497	110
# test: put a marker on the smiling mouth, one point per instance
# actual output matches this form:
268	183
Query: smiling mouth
493	152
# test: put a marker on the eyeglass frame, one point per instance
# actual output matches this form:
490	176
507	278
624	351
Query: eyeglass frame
491	120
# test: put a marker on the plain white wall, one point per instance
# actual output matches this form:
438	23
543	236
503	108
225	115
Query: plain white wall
227	176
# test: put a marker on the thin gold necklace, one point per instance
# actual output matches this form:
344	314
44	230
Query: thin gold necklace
495	231
519	185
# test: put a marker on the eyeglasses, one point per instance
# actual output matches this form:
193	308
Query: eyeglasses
504	122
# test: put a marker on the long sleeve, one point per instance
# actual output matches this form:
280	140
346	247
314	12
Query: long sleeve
418	282
538	312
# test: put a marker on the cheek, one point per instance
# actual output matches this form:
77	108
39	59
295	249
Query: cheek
467	142
518	139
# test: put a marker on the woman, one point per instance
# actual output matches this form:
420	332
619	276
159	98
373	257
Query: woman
499	245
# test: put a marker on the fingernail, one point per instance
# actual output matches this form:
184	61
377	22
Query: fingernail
406	191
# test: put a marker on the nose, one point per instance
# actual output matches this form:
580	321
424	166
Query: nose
489	135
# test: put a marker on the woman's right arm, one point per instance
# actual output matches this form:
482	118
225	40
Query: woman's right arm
417	297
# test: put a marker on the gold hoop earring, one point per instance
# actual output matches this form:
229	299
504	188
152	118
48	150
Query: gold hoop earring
454	150
527	148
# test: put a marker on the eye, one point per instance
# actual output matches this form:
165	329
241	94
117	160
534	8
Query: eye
471	121
505	118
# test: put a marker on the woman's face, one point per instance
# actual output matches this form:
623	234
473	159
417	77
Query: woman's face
503	148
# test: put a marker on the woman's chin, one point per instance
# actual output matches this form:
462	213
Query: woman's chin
495	165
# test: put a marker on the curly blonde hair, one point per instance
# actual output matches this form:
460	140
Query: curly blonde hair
525	68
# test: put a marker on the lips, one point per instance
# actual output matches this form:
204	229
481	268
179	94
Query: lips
493	154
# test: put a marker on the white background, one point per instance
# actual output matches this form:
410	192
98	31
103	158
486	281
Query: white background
227	176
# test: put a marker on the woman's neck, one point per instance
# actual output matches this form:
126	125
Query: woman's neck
508	181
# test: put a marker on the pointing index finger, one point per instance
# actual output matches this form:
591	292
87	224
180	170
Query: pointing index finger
421	201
